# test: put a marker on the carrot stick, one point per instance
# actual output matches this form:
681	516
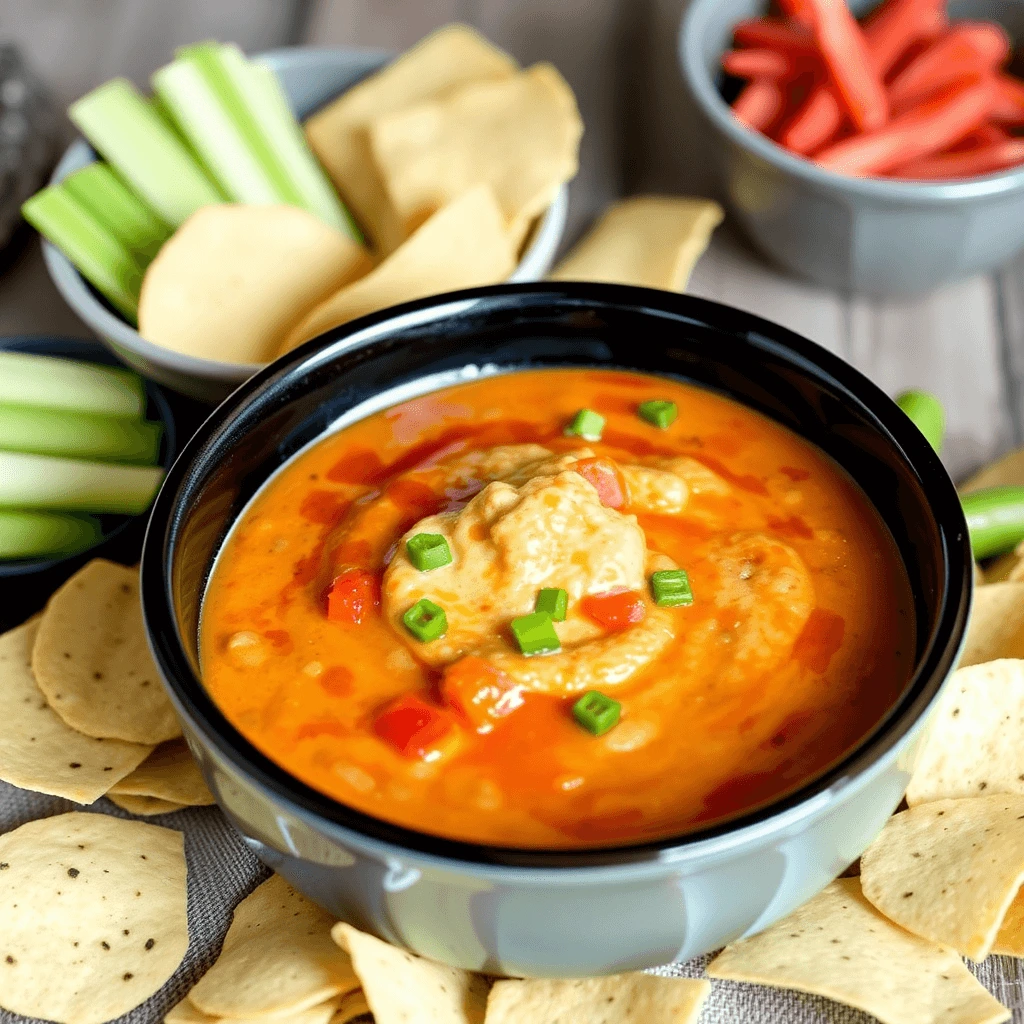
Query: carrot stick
801	12
896	24
759	64
773	34
923	130
970	48
1009	105
972	164
986	135
815	123
760	103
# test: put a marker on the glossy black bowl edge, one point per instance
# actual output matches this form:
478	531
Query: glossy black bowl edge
856	409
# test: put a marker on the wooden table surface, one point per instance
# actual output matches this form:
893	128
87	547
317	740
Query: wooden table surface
964	342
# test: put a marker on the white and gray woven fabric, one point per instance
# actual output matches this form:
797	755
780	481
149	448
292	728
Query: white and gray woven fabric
221	870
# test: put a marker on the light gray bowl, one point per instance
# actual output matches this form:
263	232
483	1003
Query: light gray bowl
311	77
868	235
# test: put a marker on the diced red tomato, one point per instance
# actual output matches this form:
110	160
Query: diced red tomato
353	595
480	692
615	609
412	726
606	478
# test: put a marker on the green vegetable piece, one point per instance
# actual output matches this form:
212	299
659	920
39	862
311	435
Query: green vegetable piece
671	588
71	384
98	255
586	424
79	435
133	138
596	712
428	551
661	414
995	519
535	634
39	534
426	621
927	414
553	601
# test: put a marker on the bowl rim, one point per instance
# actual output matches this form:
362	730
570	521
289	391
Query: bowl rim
885	739
548	231
703	88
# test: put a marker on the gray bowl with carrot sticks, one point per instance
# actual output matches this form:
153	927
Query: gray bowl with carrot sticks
875	150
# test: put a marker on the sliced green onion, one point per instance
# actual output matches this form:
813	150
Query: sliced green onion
100	257
132	137
428	551
78	435
103	194
426	621
36	534
586	424
927	414
554	602
671	588
596	712
56	383
45	482
535	634
661	414
995	519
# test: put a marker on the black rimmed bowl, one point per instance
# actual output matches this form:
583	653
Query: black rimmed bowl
564	912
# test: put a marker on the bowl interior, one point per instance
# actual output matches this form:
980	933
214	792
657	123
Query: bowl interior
762	365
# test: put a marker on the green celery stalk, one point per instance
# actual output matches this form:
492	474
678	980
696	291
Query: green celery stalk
79	435
100	257
103	194
45	482
995	519
131	135
37	534
927	414
55	383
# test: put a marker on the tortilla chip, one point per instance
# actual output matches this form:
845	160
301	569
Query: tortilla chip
323	1013
1008	568
948	870
92	662
352	1006
37	750
93	911
519	135
1010	939
185	1013
996	627
652	241
838	946
429	993
1005	472
144	806
444	61
171	774
975	737
461	246
277	958
616	999
233	280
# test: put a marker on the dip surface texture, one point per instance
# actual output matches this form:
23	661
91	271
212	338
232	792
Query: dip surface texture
322	644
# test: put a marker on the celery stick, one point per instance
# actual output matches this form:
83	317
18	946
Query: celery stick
129	133
112	202
98	254
56	383
45	482
78	435
286	138
35	534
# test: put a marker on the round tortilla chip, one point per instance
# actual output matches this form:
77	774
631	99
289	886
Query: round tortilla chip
144	806
37	750
94	918
171	774
92	662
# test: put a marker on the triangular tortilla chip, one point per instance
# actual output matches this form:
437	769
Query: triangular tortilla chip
444	61
974	743
429	993
1008	568
461	246
169	773
948	870
333	1011
996	627
144	806
38	751
1005	472
652	241
838	946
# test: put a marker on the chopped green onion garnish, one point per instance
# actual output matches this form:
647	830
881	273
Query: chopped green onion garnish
586	424
536	634
671	588
927	414
553	601
426	621
660	413
596	712
428	551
